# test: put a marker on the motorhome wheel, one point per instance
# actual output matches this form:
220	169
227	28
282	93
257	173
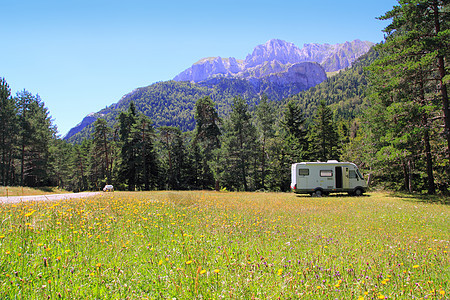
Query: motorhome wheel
358	192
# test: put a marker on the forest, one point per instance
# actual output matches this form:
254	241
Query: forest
388	113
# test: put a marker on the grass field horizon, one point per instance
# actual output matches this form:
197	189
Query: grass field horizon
229	245
13	191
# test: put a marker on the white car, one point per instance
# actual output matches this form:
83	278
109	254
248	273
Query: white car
108	188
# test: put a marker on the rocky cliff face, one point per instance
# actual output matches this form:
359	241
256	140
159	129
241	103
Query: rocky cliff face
209	67
276	56
305	75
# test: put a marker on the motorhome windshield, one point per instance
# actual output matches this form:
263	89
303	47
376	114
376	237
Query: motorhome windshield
359	174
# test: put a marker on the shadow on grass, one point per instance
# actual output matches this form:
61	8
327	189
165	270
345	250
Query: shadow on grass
438	199
334	195
46	189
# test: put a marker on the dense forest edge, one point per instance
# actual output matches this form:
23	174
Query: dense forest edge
388	113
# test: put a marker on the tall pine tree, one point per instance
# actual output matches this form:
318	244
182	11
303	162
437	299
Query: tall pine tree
8	133
128	151
100	162
147	163
324	139
239	148
265	113
35	134
207	139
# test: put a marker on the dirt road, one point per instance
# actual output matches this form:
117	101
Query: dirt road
18	199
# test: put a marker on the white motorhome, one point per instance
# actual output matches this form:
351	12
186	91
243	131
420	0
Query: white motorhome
322	178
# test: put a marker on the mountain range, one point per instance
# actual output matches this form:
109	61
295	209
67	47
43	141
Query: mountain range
276	56
277	69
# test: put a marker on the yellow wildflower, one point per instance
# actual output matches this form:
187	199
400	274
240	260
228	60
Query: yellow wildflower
30	213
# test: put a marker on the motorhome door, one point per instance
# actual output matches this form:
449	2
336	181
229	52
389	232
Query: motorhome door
345	178
338	177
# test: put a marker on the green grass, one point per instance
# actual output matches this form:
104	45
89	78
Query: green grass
11	191
209	245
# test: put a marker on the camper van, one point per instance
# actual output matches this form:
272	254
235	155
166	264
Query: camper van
322	178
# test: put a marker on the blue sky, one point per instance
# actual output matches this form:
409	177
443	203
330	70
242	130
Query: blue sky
81	56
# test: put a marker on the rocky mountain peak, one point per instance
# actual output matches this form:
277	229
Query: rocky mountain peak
274	50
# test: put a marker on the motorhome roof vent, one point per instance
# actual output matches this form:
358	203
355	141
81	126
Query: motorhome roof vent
332	161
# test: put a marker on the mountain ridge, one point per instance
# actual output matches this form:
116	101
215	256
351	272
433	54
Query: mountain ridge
330	57
272	69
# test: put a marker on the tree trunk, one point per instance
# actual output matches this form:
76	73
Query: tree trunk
443	87
429	159
405	176
426	139
410	176
81	170
144	155
9	178
242	162
105	143
263	163
22	164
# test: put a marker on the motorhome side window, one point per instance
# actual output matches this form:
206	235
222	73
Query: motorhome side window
303	172
352	174
326	173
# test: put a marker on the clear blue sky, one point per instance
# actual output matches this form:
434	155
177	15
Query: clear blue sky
83	55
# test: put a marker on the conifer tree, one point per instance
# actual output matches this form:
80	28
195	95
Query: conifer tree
60	166
147	164
80	167
195	159
100	163
291	147
295	135
8	133
239	148
35	134
128	153
207	133
176	158
138	167
265	113
324	139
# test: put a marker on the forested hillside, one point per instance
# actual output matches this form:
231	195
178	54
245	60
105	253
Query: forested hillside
171	103
346	92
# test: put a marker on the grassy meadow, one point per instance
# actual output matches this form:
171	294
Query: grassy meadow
210	245
11	191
